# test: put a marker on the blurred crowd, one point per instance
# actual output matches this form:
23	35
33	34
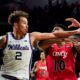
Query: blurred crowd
54	12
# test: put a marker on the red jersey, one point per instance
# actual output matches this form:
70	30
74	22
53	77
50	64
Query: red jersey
42	73
60	62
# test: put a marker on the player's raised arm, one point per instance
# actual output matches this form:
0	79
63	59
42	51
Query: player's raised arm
74	22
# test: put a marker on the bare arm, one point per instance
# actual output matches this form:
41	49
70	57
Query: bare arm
42	36
44	44
35	36
34	70
2	41
74	23
57	34
65	34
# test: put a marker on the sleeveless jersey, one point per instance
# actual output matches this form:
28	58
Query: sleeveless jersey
42	73
17	56
60	62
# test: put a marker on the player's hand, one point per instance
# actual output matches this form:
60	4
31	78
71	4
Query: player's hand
78	31
74	23
32	74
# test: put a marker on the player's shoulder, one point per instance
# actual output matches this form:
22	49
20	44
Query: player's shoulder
3	40
34	33
4	37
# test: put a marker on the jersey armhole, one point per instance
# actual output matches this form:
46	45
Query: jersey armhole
5	42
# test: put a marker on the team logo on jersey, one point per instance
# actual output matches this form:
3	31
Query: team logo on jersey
17	47
61	53
25	40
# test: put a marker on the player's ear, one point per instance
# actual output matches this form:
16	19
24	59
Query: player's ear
15	24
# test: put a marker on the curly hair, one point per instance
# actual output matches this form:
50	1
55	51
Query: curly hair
61	26
15	16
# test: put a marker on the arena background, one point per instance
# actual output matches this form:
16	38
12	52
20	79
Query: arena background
42	13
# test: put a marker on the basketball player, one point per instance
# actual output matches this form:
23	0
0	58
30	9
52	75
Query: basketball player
40	68
17	46
60	58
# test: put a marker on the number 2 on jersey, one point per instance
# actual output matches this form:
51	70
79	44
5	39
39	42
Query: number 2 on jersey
18	56
59	65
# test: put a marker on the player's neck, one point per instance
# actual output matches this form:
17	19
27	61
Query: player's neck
18	35
43	60
61	43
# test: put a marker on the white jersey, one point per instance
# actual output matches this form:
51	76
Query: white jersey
17	56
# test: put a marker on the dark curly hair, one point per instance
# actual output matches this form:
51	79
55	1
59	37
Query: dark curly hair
61	26
14	17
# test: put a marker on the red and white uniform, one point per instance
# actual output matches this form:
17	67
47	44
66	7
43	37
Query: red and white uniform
60	62
42	73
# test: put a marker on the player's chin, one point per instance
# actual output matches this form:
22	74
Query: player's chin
25	30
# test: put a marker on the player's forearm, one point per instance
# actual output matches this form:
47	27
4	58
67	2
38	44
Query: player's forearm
34	69
65	33
46	43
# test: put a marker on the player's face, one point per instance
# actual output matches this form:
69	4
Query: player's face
23	25
57	28
42	55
